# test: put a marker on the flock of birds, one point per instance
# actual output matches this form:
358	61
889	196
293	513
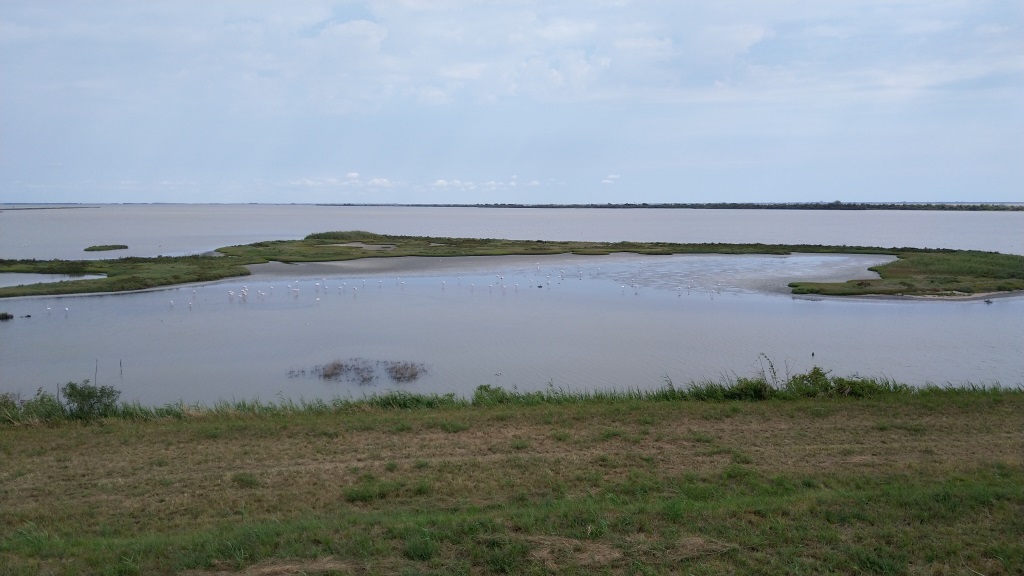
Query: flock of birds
540	279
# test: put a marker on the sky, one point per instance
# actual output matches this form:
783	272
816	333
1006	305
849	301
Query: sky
515	101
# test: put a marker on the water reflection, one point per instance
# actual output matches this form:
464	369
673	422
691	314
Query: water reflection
621	321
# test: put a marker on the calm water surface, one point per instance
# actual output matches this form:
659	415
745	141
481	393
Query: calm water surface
151	230
576	323
612	322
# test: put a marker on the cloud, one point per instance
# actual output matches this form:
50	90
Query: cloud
326	182
226	94
458	184
927	27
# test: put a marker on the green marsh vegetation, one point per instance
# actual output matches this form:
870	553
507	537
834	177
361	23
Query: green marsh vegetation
106	247
805	474
916	272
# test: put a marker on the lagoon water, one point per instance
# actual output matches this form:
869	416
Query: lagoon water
174	229
610	322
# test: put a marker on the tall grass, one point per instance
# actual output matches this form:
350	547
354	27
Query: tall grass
48	408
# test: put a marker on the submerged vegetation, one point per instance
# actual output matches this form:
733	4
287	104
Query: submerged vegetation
362	371
766	475
915	272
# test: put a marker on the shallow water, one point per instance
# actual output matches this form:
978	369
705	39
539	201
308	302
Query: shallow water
19	279
609	322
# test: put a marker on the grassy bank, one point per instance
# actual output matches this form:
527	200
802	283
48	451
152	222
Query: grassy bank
815	476
917	272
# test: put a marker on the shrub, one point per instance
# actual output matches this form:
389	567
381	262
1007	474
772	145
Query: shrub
87	401
811	384
487	395
750	389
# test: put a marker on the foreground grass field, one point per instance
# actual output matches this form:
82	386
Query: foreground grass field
890	482
916	272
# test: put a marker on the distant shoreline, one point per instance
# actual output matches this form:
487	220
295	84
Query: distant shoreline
836	205
54	207
936	206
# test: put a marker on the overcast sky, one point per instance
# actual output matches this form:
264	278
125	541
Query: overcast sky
437	101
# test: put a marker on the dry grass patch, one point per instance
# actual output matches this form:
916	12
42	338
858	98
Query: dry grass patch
283	568
557	553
